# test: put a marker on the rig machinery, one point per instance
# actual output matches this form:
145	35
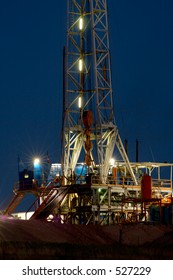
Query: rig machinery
87	186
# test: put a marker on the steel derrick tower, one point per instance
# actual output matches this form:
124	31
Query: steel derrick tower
90	133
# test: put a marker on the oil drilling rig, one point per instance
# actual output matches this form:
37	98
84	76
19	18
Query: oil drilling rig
88	186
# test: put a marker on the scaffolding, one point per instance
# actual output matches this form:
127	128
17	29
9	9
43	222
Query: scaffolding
87	200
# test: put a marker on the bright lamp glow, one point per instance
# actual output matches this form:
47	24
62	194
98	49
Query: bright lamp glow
112	161
80	65
80	23
36	161
80	102
50	218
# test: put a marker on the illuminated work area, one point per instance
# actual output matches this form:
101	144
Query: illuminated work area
95	183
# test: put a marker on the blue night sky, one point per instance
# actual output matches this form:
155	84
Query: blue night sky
32	36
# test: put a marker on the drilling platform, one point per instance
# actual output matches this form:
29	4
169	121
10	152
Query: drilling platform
95	182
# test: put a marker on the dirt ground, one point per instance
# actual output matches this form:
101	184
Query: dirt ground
35	239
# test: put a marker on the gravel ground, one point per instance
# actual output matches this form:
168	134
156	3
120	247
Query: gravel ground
35	239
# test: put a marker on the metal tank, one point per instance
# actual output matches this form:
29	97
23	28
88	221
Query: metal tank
146	187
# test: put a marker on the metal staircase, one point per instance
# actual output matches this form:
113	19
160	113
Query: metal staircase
54	197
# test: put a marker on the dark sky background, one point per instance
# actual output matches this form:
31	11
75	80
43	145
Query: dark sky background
32	36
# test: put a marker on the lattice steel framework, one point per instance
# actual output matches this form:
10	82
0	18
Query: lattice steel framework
88	87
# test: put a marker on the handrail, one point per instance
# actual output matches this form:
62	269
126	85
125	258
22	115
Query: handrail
41	195
30	207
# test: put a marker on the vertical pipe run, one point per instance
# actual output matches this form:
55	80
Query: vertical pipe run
109	205
94	206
